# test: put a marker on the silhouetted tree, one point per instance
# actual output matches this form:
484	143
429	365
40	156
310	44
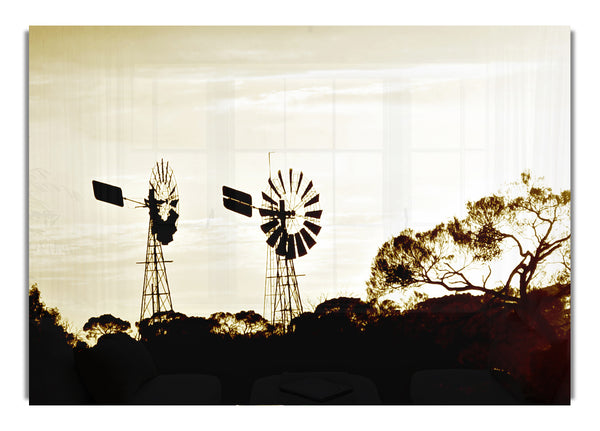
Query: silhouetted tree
175	325
105	324
52	376
306	323
528	222
241	323
193	326
224	323
44	321
250	322
341	315
38	312
342	305
452	304
160	323
356	311
387	308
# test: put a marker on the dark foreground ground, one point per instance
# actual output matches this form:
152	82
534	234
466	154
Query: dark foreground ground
112	371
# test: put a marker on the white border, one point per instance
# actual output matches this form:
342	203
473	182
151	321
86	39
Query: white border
579	15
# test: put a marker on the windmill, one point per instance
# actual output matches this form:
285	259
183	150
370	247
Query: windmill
291	214
163	206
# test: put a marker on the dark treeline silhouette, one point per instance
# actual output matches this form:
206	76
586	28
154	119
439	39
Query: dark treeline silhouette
342	334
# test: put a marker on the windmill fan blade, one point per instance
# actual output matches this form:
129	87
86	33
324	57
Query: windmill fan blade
268	199
300	245
174	202
173	191
299	181
307	189
107	193
307	238
290	180
281	249
314	200
314	214
274	188
266	212
313	227
272	240
281	180
269	225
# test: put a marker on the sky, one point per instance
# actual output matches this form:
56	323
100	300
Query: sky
397	127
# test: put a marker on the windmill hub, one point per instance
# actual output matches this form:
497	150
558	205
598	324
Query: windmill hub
282	213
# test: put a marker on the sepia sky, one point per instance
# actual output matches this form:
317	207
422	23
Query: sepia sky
396	126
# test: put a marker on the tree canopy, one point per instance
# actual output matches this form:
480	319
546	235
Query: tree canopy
105	324
525	225
245	323
47	321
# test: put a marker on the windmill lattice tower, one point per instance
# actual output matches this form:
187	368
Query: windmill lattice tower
163	206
